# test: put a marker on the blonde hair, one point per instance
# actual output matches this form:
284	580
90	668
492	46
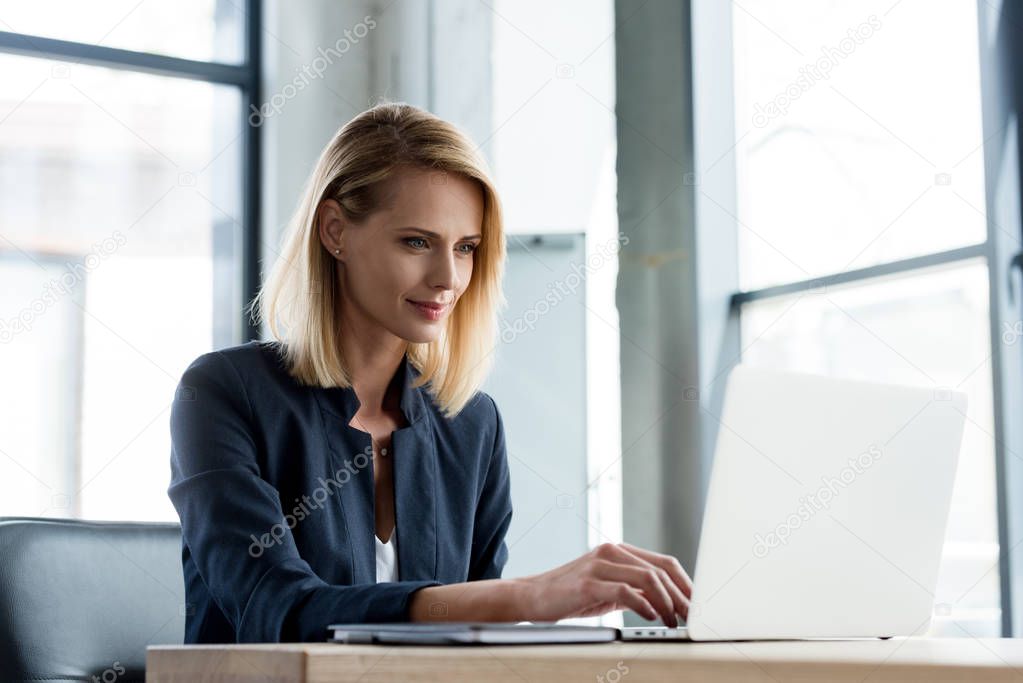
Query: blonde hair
299	298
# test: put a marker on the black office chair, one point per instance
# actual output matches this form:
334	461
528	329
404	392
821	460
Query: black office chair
80	599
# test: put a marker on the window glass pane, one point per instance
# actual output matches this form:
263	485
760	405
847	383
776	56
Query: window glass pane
119	234
205	30
859	133
931	330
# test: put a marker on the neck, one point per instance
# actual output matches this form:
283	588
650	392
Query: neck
372	356
371	371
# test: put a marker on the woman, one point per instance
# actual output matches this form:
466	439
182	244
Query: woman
351	470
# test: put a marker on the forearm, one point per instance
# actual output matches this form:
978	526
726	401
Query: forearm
490	600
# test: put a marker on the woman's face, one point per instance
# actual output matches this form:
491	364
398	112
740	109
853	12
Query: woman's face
418	248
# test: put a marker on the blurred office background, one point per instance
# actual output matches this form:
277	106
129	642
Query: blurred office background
820	186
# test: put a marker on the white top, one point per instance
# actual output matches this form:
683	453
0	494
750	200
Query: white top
387	558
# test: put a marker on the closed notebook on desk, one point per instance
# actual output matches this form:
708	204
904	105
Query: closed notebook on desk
469	633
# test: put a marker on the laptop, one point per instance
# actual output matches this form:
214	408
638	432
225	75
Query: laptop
826	510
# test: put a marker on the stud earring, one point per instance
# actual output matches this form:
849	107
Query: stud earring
337	251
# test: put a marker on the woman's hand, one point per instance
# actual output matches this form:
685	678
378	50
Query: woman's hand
611	577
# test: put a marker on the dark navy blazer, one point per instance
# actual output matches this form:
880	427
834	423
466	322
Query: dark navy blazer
275	494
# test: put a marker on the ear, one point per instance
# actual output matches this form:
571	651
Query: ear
330	223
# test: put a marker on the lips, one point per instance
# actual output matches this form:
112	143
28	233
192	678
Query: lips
432	305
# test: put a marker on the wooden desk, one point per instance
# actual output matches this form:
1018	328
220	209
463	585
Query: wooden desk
876	661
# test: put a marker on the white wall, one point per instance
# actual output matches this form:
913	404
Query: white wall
294	137
553	145
535	90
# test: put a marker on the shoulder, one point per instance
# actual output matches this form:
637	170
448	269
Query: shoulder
252	355
478	422
480	411
239	362
239	374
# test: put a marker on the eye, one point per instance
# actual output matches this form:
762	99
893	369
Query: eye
409	240
472	247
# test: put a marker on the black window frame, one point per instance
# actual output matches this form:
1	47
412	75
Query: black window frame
246	76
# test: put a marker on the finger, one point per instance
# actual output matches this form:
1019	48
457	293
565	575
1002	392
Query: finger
685	610
669	563
680	604
644	578
624	596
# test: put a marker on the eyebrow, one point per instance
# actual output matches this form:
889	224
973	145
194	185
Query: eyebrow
435	236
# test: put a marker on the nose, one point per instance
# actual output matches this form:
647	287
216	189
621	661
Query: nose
444	273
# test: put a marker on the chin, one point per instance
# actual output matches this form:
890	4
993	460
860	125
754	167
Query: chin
422	334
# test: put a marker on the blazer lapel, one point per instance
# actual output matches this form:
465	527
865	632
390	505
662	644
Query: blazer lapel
352	472
415	501
415	479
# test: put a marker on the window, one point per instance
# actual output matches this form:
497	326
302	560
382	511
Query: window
125	218
860	177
